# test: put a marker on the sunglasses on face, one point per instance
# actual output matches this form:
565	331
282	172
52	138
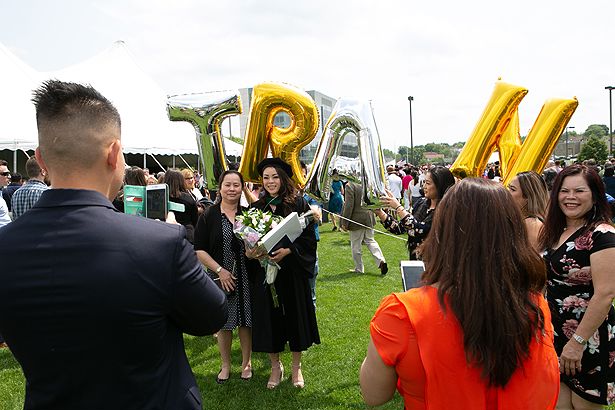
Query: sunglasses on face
5	174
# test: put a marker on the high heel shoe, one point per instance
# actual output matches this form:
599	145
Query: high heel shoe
298	381
247	371
273	384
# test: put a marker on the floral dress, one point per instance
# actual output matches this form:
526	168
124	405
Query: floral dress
417	225
569	289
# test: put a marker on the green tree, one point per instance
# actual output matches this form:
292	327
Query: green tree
595	148
388	154
598	130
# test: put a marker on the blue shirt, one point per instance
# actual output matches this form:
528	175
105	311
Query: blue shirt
312	201
25	197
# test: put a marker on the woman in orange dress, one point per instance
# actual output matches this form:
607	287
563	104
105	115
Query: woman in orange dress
478	334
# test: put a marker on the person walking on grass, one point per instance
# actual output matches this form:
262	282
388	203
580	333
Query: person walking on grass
362	234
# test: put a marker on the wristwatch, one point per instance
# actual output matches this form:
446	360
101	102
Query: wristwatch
219	269
579	339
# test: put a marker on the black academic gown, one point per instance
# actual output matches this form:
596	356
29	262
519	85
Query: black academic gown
294	321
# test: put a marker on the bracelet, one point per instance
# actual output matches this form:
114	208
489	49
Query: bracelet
579	339
400	206
219	269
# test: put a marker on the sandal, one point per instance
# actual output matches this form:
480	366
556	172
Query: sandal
246	373
298	381
271	384
220	380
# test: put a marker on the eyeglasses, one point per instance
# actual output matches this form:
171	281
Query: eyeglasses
5	174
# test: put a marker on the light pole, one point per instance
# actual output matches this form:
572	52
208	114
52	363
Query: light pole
610	88
567	140
410	98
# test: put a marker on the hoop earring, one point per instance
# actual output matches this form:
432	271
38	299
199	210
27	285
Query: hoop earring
595	209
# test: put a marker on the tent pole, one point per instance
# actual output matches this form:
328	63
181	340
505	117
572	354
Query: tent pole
159	164
144	160
188	165
14	160
173	160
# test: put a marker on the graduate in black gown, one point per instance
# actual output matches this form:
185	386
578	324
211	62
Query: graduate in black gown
293	321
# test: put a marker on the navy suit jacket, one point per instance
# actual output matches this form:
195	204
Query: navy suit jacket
93	304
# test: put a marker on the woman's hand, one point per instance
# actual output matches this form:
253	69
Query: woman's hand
279	254
570	359
227	280
254	253
389	200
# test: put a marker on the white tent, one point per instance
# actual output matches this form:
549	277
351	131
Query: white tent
18	124
146	128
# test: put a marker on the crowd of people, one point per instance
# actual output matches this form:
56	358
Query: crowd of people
514	307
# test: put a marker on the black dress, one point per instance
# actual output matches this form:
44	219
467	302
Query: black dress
190	216
294	321
569	289
214	235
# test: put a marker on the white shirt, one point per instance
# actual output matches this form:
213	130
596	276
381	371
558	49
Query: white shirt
4	213
395	185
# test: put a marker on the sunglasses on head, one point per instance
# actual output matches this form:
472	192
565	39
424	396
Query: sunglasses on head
5	174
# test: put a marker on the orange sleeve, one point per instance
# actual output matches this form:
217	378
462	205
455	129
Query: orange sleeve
391	330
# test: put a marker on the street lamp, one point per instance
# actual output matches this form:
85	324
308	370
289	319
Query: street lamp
610	88
410	99
567	141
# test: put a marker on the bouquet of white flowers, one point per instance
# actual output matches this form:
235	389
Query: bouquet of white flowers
264	230
251	226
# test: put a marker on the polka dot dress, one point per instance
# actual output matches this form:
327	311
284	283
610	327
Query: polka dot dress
239	313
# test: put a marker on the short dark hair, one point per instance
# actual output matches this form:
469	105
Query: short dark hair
3	162
33	169
609	170
73	122
221	181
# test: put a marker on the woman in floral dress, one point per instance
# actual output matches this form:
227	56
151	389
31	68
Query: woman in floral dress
418	223
580	253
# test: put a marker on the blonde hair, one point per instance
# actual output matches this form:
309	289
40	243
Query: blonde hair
534	190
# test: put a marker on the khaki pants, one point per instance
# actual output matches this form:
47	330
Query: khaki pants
357	239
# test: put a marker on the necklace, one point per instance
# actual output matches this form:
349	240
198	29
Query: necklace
573	227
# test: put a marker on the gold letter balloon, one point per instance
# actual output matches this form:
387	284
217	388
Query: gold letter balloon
269	99
206	111
356	118
499	127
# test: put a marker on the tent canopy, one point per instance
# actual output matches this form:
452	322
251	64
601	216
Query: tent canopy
141	103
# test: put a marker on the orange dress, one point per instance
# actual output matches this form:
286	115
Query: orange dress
412	334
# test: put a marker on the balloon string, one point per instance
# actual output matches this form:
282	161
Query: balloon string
364	226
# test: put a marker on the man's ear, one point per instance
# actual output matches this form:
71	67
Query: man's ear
39	159
114	151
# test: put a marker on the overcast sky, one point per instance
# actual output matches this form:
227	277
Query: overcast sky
446	54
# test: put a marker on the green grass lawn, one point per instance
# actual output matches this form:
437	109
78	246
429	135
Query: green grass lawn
346	303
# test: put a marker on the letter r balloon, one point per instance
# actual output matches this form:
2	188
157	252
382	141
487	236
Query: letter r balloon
269	99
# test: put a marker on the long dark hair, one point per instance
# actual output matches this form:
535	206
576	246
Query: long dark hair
221	180
489	283
556	220
288	190
135	176
442	178
175	180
